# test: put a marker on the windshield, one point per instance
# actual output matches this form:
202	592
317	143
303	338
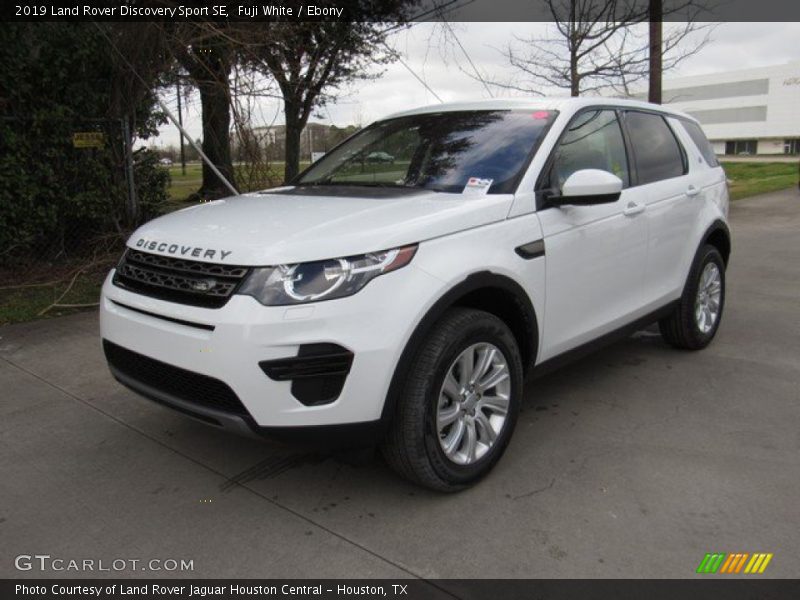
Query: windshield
485	150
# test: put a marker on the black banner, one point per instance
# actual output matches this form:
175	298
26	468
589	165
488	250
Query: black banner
414	589
370	10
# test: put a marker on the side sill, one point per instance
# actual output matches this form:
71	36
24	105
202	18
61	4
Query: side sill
551	364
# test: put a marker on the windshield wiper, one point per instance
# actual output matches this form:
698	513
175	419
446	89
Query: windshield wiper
370	184
378	184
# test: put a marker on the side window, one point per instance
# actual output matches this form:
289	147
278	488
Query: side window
700	139
592	141
655	148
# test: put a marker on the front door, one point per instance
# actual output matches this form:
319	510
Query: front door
595	255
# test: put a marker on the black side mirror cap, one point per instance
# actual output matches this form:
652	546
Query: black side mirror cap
587	200
550	198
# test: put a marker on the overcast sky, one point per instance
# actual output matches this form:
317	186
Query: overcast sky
445	69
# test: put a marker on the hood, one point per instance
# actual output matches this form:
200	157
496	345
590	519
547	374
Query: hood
288	226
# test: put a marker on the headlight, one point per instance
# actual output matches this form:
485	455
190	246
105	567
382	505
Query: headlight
322	279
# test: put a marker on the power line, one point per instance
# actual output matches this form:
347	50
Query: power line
410	70
439	10
472	64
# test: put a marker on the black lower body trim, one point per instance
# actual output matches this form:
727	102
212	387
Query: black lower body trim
349	435
165	318
194	389
225	420
346	435
590	347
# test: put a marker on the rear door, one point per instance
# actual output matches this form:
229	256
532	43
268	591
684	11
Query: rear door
595	255
672	199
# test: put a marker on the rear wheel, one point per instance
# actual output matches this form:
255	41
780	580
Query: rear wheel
696	318
459	404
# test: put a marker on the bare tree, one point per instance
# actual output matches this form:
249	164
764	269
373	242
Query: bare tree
595	45
248	90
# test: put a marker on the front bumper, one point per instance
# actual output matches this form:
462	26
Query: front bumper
227	344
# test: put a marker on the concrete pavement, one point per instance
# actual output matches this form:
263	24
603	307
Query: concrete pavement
633	462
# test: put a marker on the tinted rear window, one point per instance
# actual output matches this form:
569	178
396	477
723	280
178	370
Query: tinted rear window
657	153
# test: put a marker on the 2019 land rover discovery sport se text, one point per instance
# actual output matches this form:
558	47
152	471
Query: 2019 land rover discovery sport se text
405	302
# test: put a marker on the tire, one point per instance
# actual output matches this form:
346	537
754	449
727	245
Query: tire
413	446
685	328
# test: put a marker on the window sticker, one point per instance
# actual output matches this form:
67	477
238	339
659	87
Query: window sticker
477	186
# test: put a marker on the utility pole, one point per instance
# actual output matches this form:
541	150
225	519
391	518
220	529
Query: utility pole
180	122
656	65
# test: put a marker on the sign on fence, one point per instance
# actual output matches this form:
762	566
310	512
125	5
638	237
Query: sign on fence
88	139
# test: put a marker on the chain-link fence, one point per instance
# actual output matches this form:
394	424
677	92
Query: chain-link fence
70	191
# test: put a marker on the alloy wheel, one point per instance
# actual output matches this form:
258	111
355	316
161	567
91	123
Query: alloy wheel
709	294
473	403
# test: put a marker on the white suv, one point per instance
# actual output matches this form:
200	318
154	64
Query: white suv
404	302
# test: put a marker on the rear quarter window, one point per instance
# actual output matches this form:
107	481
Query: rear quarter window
701	141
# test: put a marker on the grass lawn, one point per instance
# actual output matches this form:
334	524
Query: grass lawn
24	304
183	186
753	178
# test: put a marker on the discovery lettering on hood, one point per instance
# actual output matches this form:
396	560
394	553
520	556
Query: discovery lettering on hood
181	250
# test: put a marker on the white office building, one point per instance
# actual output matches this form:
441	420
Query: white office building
752	111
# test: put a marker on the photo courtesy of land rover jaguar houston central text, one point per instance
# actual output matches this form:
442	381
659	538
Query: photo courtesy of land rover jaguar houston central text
403	301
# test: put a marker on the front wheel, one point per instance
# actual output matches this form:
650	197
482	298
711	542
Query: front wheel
459	404
696	318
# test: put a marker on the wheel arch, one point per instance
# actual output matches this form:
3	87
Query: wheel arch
496	294
719	236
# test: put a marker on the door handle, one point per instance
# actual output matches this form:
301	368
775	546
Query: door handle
692	191
633	208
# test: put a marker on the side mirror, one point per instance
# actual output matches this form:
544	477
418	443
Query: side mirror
588	186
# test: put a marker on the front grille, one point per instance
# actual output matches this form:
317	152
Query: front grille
197	389
177	279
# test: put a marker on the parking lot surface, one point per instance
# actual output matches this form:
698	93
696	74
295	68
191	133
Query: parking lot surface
633	462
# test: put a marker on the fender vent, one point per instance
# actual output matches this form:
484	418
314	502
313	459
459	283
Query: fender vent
317	373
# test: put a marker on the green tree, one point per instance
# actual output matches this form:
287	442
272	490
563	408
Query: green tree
57	79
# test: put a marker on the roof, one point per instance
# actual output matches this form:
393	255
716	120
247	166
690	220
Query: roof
569	105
